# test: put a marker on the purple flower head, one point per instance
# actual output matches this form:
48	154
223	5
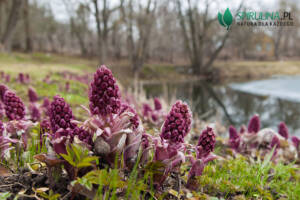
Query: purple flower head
67	86
34	113
7	78
233	133
242	129
60	114
296	142
254	124
14	107
27	78
283	130
1	128
154	117
33	97
104	93
135	118
46	102
21	78
206	142
157	104
275	142
82	135
178	123
3	88
45	125
146	109
234	138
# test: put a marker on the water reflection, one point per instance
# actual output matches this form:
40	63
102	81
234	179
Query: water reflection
231	106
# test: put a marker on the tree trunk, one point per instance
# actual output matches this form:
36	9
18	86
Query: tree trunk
11	23
28	42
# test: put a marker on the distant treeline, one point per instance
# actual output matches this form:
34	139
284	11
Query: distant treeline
172	31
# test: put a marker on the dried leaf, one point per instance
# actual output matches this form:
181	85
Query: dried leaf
4	171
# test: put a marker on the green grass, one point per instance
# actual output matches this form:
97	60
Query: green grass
235	177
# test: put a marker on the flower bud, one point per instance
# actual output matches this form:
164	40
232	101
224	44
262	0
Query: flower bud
14	107
207	141
254	124
60	114
157	104
33	97
283	130
178	123
104	93
296	142
3	88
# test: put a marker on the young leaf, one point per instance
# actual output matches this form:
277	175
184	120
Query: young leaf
69	159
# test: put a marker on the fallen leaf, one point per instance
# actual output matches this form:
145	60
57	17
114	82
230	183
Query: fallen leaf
4	171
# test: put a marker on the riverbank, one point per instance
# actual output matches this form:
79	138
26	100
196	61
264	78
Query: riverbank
250	70
222	71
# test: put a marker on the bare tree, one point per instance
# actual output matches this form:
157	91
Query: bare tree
143	22
102	16
79	24
195	27
28	40
11	22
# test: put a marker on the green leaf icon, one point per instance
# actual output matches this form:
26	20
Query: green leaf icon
220	18
227	18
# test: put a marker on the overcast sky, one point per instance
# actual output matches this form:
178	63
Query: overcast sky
60	12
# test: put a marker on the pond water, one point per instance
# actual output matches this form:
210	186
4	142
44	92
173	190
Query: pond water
275	100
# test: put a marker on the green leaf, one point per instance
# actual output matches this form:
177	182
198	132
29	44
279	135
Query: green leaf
89	159
4	195
227	18
69	159
220	18
78	151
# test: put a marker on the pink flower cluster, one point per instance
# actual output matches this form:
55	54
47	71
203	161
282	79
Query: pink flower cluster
178	123
104	93
14	107
60	114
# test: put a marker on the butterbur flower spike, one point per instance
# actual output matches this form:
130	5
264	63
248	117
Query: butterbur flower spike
157	104
283	130
35	113
33	97
21	78
104	94
296	142
233	133
60	114
83	135
206	142
3	88
204	151
14	107
178	123
234	138
275	143
254	124
146	110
